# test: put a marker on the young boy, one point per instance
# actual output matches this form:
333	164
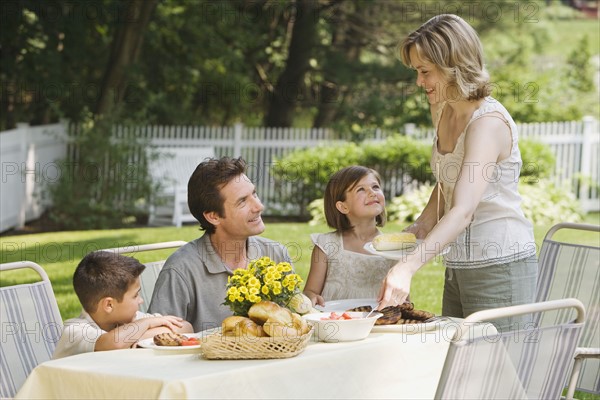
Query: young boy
108	287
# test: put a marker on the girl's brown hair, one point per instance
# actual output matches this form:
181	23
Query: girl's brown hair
336	189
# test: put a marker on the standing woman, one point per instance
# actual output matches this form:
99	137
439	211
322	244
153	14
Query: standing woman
474	210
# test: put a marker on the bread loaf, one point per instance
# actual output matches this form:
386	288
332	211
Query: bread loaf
240	327
262	311
280	323
394	241
277	321
300	324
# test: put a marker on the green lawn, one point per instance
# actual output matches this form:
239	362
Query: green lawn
59	253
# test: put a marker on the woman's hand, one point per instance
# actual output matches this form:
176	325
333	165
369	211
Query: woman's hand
396	286
417	229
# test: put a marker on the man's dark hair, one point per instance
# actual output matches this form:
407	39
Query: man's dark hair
204	187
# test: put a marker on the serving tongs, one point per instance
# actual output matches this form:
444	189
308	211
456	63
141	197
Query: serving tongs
374	309
435	319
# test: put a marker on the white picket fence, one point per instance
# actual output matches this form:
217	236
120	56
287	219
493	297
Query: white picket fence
29	154
28	157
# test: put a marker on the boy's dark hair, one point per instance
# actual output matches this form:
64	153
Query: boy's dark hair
205	184
103	274
339	183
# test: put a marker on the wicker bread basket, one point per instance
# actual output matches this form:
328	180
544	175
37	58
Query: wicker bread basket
219	347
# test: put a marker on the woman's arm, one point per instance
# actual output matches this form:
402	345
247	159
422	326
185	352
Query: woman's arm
486	141
429	217
316	276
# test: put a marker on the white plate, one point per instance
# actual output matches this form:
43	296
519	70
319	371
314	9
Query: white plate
397	254
148	343
409	328
346	304
391	254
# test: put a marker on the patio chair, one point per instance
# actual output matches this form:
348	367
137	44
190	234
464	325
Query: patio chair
30	325
530	363
573	270
173	169
150	274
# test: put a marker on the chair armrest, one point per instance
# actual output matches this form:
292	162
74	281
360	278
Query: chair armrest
491	314
587	352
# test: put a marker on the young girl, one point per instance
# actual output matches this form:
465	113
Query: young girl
340	267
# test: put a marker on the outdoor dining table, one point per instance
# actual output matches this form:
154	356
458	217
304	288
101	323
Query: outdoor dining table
384	365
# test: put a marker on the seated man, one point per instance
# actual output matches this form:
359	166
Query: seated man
193	281
108	287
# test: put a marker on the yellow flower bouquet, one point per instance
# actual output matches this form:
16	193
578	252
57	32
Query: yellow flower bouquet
262	280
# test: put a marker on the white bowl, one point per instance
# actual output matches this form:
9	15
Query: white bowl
342	330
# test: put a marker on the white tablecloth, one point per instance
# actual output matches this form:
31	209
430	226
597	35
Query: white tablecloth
385	365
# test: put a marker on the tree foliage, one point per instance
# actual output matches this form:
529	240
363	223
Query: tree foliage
322	63
102	185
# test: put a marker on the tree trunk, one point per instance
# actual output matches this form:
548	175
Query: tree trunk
125	49
345	42
289	88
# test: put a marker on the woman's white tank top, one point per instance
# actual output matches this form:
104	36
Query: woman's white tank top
499	232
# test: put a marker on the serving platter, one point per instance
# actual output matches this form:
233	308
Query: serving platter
397	254
409	328
148	343
346	304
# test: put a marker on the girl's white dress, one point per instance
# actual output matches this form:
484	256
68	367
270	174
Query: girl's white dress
350	275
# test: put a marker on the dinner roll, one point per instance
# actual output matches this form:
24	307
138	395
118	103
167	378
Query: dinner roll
281	323
241	326
300	324
261	311
394	241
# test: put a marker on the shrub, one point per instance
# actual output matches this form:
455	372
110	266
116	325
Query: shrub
101	188
305	173
316	208
546	204
408	207
397	156
538	160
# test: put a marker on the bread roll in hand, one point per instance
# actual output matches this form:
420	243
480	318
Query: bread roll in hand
394	241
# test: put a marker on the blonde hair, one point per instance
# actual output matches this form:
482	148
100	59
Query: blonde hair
452	45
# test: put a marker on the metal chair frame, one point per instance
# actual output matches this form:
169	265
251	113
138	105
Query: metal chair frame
484	365
30	326
548	262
